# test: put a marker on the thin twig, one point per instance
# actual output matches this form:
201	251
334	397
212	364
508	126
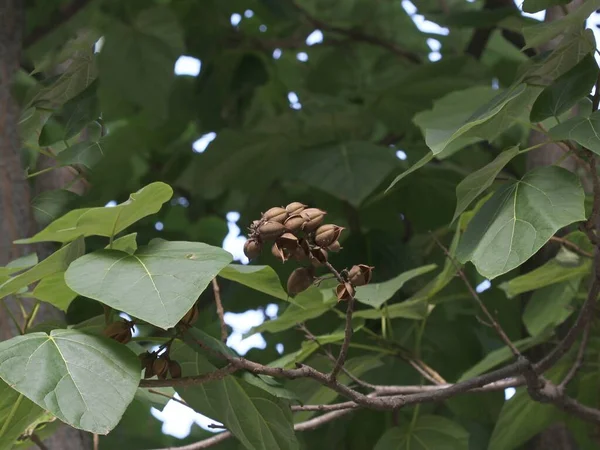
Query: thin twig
474	294
96	440
191	381
347	330
170	397
580	355
572	246
37	441
220	311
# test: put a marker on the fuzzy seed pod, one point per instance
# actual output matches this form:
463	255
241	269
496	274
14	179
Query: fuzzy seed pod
360	275
300	280
318	257
327	235
271	230
295	208
294	223
276	214
252	249
344	291
335	247
160	367
174	369
314	218
119	331
190	317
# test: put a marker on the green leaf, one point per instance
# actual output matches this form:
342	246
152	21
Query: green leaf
86	381
84	153
581	130
521	417
428	433
550	306
539	34
566	90
127	244
502	355
520	218
476	182
159	283
50	205
79	111
557	270
409	309
17	414
16	265
533	6
467	115
257	419
56	262
416	166
136	62
377	294
53	289
350	171
260	278
269	385
105	221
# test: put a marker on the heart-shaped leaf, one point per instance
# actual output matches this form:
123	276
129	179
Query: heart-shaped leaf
86	381
582	130
377	294
519	218
105	221
158	283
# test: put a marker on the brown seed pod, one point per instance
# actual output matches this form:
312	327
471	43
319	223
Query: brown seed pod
295	208
160	367
344	291
318	257
360	275
271	230
174	369
302	251
276	214
300	280
280	252
190	317
327	234
294	223
252	249
288	240
335	247
314	218
119	331
146	360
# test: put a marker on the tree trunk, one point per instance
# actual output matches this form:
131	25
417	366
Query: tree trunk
16	219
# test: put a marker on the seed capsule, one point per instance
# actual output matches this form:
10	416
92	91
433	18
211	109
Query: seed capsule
344	291
190	317
119	331
314	218
302	250
147	360
295	208
271	230
300	280
318	257
160	367
279	252
327	235
294	223
252	249
360	275
276	214
335	247
174	369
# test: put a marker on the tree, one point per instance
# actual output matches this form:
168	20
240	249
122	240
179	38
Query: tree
423	262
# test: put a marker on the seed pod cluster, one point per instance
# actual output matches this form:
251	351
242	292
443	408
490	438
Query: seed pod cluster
120	331
159	365
297	232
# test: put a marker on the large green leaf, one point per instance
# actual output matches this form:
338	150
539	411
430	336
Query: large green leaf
580	129
17	413
539	34
416	166
105	221
257	419
158	283
53	289
349	171
377	294
50	205
56	262
566	90
476	182
136	62
519	218
261	278
86	381
428	433
550	306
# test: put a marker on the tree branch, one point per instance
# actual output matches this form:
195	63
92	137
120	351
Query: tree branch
572	246
220	310
191	381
